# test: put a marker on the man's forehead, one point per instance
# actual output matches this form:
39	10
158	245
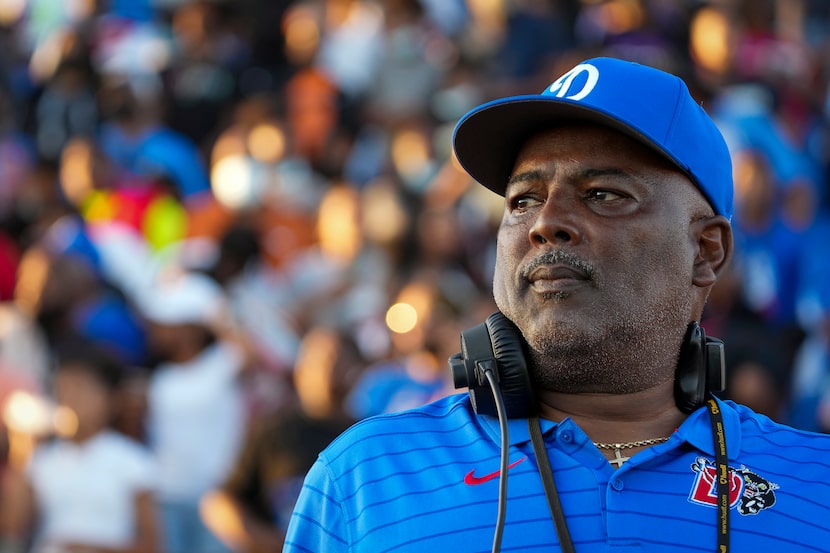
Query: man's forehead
589	151
591	144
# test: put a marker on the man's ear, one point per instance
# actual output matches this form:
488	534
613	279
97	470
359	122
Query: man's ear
714	249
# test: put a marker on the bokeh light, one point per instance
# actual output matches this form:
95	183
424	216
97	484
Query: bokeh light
410	152
302	34
266	142
384	218
65	422
232	181
221	516
338	226
709	40
27	413
313	371
47	56
622	16
401	318
76	170
232	142
487	13
11	11
32	272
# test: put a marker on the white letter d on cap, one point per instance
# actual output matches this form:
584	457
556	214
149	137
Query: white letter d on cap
562	85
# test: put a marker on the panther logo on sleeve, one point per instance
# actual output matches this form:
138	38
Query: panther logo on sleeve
758	493
748	492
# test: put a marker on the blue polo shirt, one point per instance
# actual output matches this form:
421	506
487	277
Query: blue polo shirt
427	480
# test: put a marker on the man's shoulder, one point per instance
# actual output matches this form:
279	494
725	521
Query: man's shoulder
443	413
787	452
759	426
419	425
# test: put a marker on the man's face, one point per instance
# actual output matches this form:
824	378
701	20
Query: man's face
595	258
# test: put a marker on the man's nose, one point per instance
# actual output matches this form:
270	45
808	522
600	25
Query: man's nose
557	223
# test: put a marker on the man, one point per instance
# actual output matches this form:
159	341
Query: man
618	197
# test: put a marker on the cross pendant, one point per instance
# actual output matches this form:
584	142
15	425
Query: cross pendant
618	459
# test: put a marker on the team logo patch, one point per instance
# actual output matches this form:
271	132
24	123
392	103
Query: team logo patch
749	492
562	87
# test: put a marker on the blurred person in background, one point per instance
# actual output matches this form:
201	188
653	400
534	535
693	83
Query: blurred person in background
809	391
23	345
250	283
62	289
195	404
89	489
135	135
342	279
414	372
425	316
212	65
66	107
757	365
67	296
250	511
412	57
767	250
810	396
259	177
17	386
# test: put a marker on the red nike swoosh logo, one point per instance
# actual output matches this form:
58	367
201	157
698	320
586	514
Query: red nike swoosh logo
472	480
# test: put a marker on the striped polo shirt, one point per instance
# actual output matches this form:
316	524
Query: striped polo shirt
427	479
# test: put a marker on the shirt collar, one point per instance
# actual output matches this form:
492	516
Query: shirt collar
518	429
697	429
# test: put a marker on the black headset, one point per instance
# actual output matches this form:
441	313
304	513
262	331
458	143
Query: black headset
701	368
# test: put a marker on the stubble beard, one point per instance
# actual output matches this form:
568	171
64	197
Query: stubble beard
625	352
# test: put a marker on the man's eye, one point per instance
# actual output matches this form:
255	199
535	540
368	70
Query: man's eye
601	195
523	203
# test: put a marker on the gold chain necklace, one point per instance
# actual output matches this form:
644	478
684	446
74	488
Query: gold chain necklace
619	459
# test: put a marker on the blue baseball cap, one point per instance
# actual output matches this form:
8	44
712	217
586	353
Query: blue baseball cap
650	105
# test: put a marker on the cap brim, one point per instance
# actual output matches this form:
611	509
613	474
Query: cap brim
487	140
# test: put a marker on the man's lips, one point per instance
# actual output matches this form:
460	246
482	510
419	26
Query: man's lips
548	279
556	272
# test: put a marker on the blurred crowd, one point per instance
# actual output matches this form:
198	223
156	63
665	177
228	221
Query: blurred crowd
231	228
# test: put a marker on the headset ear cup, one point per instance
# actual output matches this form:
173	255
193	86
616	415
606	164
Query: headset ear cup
691	375
514	379
716	364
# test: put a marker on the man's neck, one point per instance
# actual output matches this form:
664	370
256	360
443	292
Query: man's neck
610	418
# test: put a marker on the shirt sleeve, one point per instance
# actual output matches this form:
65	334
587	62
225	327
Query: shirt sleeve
143	470
319	521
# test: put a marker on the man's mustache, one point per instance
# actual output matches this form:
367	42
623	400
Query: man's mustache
558	257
